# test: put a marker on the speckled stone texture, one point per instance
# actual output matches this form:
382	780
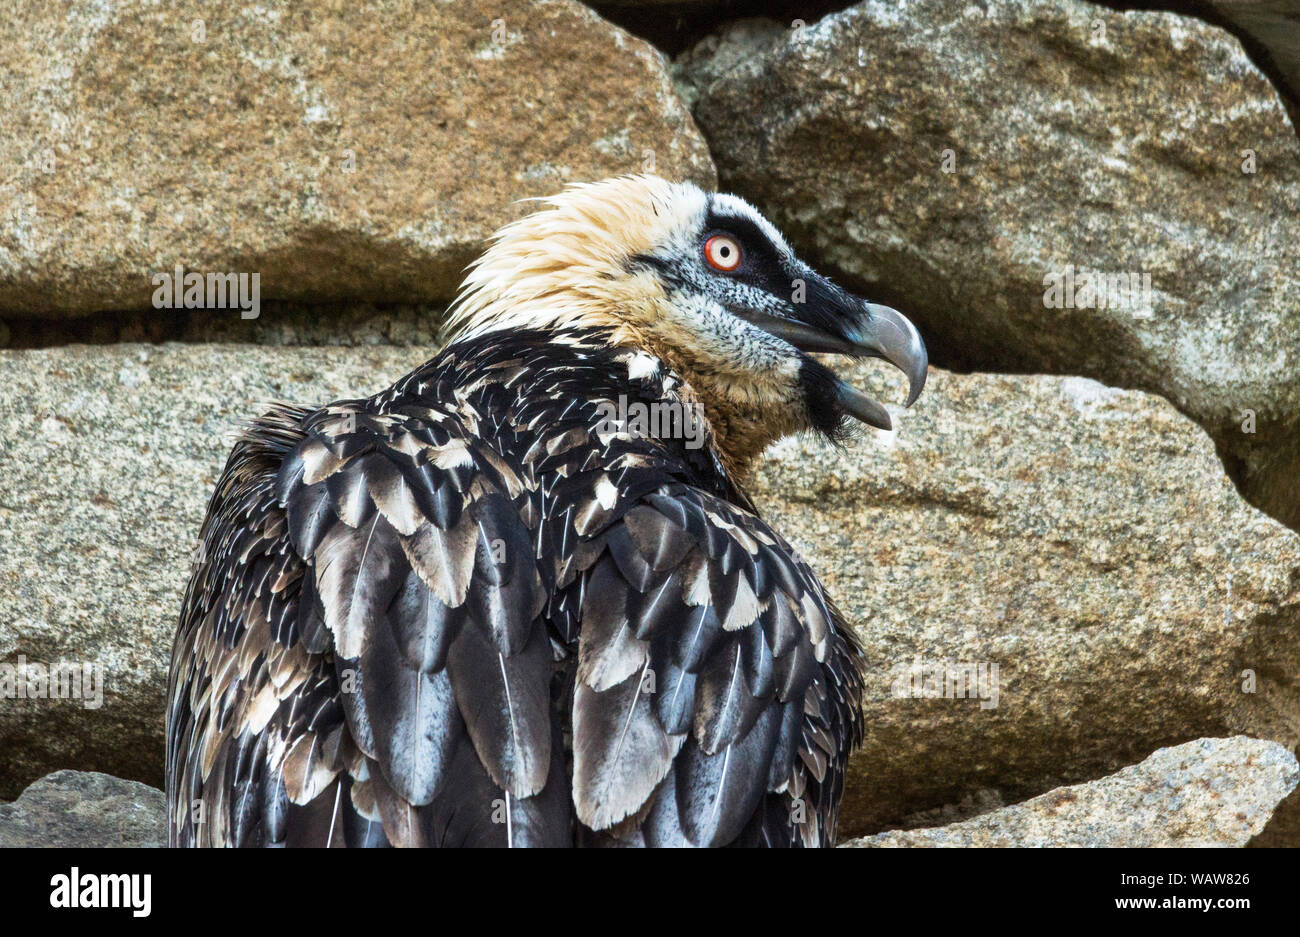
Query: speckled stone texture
1077	136
109	457
1082	538
1211	792
343	151
83	809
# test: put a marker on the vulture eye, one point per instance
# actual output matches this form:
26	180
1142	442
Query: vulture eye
722	252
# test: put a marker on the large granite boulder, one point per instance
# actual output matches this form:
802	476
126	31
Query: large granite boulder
110	455
1080	539
341	151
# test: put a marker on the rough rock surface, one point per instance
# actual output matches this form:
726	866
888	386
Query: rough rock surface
1283	828
1275	25
1077	137
344	152
109	457
84	809
1082	538
1211	792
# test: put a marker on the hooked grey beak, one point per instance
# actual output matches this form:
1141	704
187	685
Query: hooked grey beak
887	333
873	331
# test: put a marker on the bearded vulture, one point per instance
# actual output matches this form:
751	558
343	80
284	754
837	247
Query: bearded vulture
499	603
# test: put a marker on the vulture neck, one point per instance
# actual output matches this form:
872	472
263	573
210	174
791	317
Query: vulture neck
741	420
746	411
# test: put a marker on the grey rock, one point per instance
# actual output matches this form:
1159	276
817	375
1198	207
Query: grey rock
85	809
278	323
1078	136
109	458
1283	828
1210	792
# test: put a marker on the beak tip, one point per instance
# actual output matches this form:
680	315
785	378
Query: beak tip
862	407
916	382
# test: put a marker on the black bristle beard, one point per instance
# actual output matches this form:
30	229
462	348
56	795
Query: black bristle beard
821	399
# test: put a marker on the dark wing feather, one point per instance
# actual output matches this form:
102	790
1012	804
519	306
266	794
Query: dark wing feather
255	725
716	694
362	657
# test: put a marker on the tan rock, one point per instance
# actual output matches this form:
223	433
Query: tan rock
343	152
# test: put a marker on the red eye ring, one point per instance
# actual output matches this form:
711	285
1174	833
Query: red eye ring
722	253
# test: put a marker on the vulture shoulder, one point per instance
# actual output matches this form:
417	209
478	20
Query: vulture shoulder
473	611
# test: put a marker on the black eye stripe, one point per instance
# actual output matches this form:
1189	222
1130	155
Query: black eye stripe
743	229
758	267
761	263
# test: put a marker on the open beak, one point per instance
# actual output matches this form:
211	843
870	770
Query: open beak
861	330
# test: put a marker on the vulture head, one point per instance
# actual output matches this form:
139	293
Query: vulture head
705	283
